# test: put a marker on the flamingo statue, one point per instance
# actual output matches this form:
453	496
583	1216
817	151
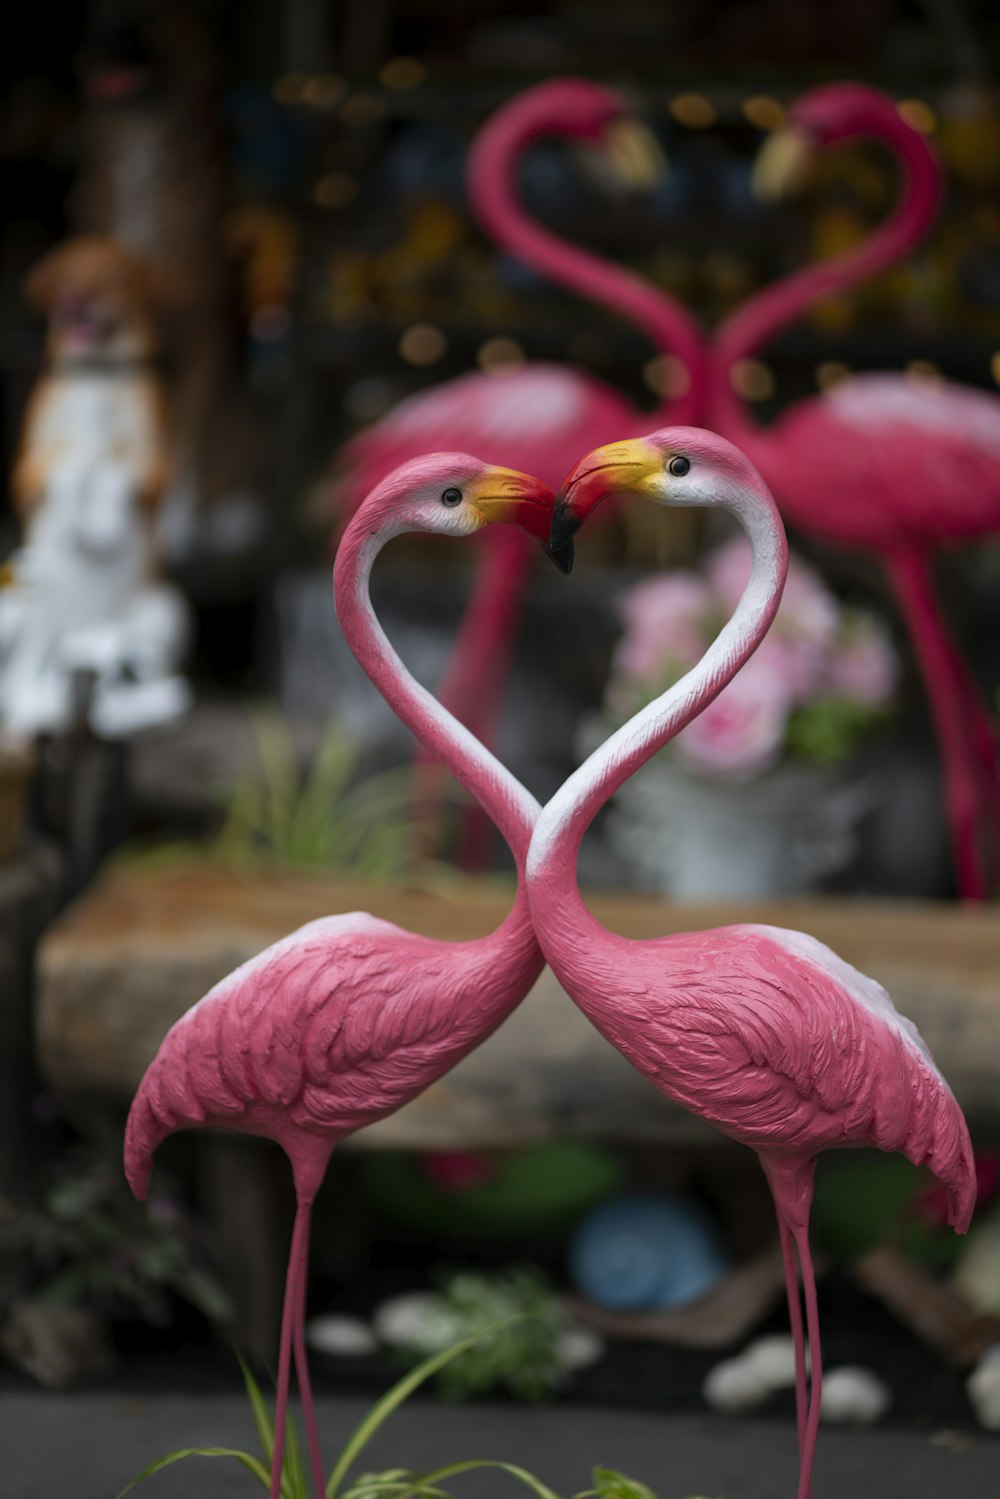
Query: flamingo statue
765	1033
350	1017
882	462
542	416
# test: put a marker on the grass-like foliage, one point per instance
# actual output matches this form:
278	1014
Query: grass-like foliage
330	817
393	1483
396	1483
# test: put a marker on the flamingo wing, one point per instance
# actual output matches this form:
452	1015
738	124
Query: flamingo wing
778	1042
539	418
882	460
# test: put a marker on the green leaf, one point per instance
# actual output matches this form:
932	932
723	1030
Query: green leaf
395	1397
262	1419
293	1473
539	1489
251	1463
390	1485
610	1484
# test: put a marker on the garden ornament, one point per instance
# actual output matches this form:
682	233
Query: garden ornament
892	464
539	416
350	1017
763	1032
84	600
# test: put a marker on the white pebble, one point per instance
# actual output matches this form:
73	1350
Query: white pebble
579	1347
417	1319
347	1337
983	1386
854	1394
733	1387
772	1361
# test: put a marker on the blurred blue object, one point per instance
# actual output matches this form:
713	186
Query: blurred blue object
642	1252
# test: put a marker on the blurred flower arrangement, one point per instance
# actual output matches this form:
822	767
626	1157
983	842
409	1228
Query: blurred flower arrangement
820	683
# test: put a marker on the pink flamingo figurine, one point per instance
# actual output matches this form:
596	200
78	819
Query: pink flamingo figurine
540	417
883	462
350	1017
765	1033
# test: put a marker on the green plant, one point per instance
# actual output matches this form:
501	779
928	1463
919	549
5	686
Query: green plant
88	1242
610	1484
395	1483
329	817
511	1322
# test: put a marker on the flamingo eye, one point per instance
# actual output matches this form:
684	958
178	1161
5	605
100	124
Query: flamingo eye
451	497
678	466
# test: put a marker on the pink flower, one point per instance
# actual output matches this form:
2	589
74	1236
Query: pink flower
864	666
665	627
742	733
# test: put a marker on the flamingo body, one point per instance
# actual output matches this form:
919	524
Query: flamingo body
765	1033
538	418
883	461
333	1027
779	1043
350	1017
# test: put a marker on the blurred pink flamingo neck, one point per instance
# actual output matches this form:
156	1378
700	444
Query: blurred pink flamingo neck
492	186
511	808
552	865
777	306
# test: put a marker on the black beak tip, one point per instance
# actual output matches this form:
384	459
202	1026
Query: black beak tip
562	555
564	527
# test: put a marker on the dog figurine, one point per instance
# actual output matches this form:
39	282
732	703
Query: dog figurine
84	602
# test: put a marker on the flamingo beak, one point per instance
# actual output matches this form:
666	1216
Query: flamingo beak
617	468
635	155
508	497
782	164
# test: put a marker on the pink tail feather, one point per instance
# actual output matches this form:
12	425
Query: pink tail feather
143	1133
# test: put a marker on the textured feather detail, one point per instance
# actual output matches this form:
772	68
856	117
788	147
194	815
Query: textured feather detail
330	1028
778	1042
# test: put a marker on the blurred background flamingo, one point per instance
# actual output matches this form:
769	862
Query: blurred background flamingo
542	416
883	462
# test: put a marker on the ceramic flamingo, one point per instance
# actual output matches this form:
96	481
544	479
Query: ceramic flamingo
882	462
540	417
350	1017
765	1033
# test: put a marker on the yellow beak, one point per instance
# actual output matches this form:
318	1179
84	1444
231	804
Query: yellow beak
617	468
507	497
782	163
635	154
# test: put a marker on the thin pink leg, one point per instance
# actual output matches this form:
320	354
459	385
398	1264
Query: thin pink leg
908	574
795	1319
302	1374
300	1235
815	1363
982	733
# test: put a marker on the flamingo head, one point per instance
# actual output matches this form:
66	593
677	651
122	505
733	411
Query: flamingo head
674	466
454	494
580	110
821	117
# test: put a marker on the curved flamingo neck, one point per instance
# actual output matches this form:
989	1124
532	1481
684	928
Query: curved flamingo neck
774	308
492	188
555	846
506	802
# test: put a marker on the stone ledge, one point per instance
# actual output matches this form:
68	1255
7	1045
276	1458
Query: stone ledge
144	943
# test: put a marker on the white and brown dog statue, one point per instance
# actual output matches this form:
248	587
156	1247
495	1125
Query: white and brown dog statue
92	465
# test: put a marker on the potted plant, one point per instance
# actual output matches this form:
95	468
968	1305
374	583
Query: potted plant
756	797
